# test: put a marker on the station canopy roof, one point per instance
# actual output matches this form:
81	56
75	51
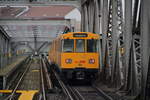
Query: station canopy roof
35	12
48	13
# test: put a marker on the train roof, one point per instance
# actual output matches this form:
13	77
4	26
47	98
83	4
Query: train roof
79	35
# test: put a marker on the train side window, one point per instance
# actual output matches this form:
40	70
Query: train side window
80	45
92	45
68	45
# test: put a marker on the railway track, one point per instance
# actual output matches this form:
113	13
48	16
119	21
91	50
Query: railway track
72	92
84	92
31	78
49	79
88	93
58	83
24	81
43	96
14	95
46	83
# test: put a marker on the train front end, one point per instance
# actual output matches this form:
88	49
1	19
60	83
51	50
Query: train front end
80	56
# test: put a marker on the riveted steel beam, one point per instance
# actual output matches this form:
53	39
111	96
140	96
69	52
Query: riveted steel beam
133	49
104	26
33	22
41	3
114	42
128	35
31	39
145	40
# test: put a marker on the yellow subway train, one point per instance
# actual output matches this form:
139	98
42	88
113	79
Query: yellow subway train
76	55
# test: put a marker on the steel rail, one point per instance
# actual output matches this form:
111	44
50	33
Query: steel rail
63	86
79	94
18	83
107	97
49	82
42	79
75	93
72	93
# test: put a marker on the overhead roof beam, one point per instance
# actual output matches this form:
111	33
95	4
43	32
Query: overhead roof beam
84	1
4	32
33	22
40	3
31	39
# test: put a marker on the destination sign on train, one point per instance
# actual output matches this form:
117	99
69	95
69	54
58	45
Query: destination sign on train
79	35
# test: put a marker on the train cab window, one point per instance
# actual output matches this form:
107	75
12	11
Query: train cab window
92	45
80	45
68	45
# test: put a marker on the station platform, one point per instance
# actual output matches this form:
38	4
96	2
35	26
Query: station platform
7	71
30	85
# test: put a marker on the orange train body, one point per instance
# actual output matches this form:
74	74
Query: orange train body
76	54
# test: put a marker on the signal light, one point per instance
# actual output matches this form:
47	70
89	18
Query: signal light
68	61
91	61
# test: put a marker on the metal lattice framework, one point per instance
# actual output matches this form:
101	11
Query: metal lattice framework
115	42
124	27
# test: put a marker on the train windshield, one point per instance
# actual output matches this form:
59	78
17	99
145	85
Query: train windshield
80	44
92	45
68	45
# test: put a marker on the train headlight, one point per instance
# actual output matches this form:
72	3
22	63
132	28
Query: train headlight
68	61
91	61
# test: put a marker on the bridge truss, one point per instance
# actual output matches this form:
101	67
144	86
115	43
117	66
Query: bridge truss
123	25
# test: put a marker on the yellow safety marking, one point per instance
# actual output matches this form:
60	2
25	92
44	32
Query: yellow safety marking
5	91
35	70
25	95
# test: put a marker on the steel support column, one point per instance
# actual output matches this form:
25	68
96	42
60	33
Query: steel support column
128	36
145	33
91	16
104	27
133	48
114	42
